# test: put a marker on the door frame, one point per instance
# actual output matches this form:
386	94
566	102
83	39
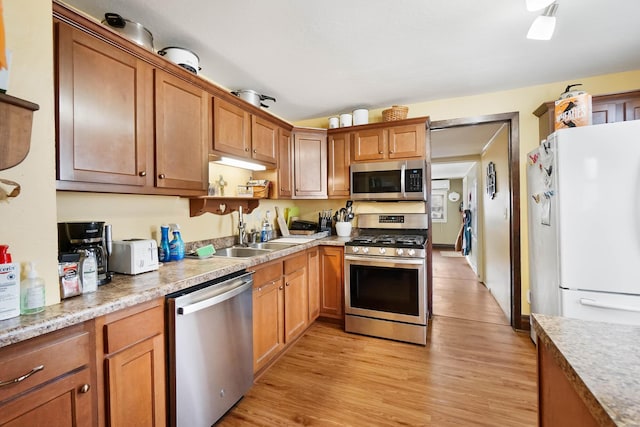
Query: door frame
512	119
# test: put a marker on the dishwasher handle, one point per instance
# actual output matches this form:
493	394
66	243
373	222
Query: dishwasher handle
231	289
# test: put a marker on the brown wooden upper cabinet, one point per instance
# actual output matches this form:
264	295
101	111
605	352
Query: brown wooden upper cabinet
124	125
310	163
182	132
240	134
616	107
284	187
389	142
338	178
104	112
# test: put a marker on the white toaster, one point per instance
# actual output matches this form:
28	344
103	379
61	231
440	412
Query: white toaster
133	256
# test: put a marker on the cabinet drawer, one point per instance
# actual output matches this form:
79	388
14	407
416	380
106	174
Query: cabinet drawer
132	329
295	263
266	274
57	352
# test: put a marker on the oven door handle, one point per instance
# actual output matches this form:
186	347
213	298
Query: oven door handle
404	261
232	288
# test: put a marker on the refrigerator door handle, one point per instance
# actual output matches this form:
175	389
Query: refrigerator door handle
594	303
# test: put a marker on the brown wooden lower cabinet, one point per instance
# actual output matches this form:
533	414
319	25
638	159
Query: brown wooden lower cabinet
332	282
558	402
268	313
131	346
60	387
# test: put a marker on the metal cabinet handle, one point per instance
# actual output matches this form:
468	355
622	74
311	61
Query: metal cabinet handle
143	173
85	388
255	150
281	288
161	176
259	288
381	152
287	284
23	377
246	149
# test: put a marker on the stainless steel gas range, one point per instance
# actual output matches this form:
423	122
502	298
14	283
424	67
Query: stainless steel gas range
386	277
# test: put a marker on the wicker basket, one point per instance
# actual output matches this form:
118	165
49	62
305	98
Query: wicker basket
396	112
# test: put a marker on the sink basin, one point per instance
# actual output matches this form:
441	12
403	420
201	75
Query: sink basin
271	245
240	252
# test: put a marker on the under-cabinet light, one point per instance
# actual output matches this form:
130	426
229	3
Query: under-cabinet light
228	161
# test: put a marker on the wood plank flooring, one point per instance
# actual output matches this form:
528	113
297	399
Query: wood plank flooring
474	371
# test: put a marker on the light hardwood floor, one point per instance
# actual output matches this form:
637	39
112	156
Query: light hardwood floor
474	371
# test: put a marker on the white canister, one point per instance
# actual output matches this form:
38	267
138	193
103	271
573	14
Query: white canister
334	122
360	116
346	120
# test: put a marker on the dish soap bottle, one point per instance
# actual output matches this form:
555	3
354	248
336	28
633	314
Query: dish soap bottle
176	246
267	230
32	292
165	255
9	285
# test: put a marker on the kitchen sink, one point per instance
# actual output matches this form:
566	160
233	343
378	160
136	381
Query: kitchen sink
271	245
241	252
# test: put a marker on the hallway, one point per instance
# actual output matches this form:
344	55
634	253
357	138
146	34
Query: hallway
474	371
457	292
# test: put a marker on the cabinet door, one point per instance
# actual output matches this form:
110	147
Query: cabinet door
313	280
407	141
264	140
268	322
63	402
296	304
369	145
231	129
603	112
331	279
310	164
182	132
136	381
105	112
285	165
632	110
338	179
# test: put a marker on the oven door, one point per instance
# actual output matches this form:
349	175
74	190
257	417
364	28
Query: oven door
386	288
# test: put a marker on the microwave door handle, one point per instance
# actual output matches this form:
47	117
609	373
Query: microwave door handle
403	168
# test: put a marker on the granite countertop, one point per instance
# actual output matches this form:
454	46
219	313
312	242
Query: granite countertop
601	360
126	291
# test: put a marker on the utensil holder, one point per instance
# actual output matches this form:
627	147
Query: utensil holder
343	229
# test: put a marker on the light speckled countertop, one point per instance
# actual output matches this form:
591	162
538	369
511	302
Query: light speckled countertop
602	362
126	291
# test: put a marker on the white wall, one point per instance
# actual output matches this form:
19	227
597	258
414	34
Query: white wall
472	197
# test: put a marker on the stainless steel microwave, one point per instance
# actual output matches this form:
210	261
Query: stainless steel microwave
397	180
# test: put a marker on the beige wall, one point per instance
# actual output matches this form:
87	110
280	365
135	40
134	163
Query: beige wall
28	222
495	222
523	100
446	233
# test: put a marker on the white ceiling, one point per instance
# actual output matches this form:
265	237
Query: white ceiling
319	58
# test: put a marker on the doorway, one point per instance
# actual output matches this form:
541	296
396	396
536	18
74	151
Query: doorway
511	121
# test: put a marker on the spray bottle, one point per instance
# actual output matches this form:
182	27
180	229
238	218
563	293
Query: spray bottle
176	246
165	255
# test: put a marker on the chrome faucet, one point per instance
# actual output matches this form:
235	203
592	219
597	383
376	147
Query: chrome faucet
241	231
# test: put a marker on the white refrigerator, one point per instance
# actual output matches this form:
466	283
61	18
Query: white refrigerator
583	187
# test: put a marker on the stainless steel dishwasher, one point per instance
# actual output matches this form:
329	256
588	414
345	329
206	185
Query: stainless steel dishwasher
210	349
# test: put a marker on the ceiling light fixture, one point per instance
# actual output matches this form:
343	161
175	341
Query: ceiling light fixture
537	4
544	25
228	161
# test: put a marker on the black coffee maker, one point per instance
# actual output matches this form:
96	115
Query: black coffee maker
92	236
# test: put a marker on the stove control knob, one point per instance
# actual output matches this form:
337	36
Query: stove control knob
365	250
412	252
383	250
399	251
355	249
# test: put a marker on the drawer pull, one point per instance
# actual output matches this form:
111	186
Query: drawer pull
85	388
22	378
